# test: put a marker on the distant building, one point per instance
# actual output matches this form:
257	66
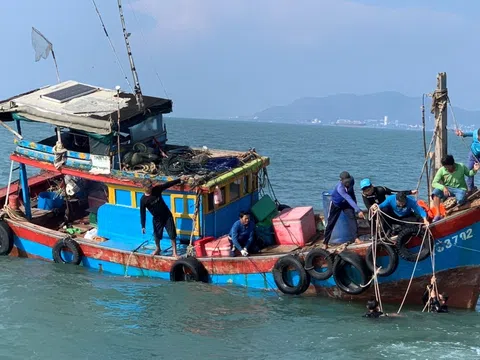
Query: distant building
385	120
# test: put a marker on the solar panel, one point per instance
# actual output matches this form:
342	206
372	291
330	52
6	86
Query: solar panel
69	93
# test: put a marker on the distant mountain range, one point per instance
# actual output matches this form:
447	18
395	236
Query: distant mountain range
396	106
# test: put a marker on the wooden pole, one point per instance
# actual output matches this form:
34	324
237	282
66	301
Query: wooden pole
440	98
11	130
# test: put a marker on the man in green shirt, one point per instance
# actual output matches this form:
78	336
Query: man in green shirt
450	181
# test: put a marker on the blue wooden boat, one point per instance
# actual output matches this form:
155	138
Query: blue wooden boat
83	207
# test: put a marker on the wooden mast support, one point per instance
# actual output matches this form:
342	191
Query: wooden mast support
440	97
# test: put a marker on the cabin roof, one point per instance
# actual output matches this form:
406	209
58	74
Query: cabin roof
74	105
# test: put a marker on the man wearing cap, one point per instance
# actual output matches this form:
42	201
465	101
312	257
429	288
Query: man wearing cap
343	199
377	194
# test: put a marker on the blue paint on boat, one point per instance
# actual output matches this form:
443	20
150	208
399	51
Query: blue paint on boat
258	281
457	250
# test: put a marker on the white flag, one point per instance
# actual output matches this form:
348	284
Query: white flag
40	44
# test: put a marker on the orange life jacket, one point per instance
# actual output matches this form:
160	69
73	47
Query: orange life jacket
432	212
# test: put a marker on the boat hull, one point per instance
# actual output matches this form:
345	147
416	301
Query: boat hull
456	262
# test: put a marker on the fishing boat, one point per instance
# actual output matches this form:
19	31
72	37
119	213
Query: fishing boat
81	207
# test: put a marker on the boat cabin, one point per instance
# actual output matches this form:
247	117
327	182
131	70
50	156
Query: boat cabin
102	149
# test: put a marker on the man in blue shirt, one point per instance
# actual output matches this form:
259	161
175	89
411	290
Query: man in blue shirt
343	199
474	155
242	235
402	207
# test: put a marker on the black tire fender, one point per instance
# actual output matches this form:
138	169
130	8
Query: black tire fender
72	246
6	238
188	269
342	279
404	237
392	259
324	255
280	270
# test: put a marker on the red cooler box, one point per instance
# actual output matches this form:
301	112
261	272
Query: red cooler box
294	226
218	248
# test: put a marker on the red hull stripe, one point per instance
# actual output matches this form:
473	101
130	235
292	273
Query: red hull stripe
213	265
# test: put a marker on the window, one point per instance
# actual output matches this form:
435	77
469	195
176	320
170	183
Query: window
235	190
210	202
224	200
254	182
246	184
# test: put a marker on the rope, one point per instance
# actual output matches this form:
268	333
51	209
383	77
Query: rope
130	256
425	163
145	42
265	278
111	45
413	272
457	127
375	215
191	247
59	152
10	213
399	220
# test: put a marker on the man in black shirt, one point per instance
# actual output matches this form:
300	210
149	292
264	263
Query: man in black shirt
162	216
377	194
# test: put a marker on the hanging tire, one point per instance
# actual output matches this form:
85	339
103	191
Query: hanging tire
188	269
71	245
405	238
281	271
6	238
311	260
343	278
392	259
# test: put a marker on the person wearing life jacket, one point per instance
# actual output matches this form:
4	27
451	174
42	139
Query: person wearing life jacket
450	181
473	156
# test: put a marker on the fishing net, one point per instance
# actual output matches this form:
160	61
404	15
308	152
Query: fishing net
40	44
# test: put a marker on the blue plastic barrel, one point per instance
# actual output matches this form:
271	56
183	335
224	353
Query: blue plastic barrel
345	228
49	200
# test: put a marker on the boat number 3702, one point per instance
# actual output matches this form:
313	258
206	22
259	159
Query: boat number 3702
447	243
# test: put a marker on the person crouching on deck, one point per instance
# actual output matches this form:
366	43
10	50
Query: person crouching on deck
162	216
343	199
242	235
450	181
401	207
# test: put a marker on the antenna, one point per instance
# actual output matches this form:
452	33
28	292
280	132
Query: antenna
138	91
42	48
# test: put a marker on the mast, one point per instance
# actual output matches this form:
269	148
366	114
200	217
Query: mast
138	90
439	108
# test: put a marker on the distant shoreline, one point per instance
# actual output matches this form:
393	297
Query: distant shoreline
301	123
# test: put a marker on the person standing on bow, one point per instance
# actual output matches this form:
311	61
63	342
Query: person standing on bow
242	235
343	200
473	156
162	216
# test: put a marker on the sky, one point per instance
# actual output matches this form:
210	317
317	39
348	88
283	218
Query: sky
226	58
